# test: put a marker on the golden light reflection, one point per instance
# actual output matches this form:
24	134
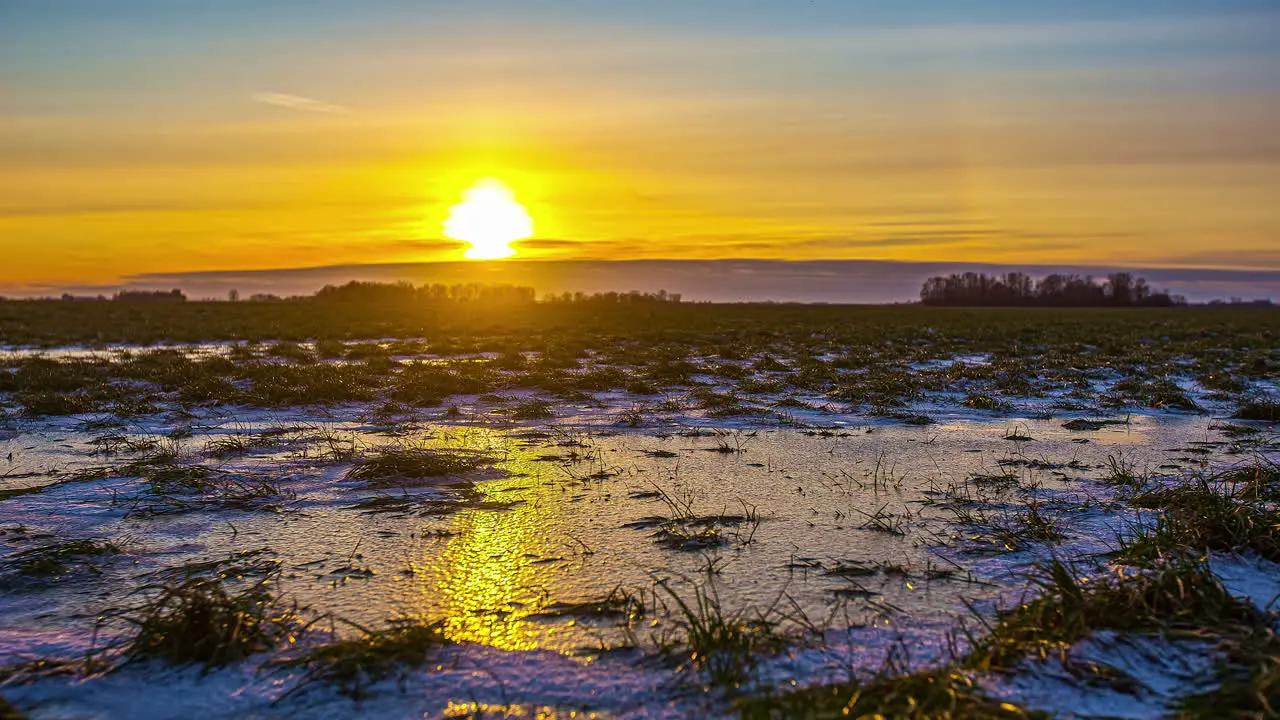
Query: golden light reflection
490	219
491	575
473	709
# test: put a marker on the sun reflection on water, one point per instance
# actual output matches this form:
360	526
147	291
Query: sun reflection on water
493	573
472	710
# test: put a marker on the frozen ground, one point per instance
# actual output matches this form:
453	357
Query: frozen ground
874	540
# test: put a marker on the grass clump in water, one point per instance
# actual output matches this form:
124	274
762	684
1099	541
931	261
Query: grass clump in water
1258	482
178	488
726	645
945	694
1200	516
200	621
240	444
532	410
352	665
395	465
51	560
1183	596
618	603
1262	408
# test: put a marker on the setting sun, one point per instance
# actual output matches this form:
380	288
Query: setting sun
490	219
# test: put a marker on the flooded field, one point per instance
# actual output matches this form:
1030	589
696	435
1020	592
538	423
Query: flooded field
779	528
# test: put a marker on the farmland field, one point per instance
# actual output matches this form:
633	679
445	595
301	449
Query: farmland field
662	510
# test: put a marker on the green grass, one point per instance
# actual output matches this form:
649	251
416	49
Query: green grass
1183	597
59	558
725	645
353	665
394	466
1200	516
1263	408
201	620
945	694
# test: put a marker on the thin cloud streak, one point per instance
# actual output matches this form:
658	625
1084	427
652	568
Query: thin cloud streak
298	102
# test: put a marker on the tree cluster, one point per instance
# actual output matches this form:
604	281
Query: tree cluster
403	292
1017	289
613	298
174	295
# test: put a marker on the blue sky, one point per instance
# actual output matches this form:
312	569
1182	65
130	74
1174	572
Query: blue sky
248	135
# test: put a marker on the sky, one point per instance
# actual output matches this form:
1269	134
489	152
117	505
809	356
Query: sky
153	137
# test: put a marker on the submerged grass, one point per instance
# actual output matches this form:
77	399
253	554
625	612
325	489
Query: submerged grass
178	488
618	603
395	465
945	694
53	560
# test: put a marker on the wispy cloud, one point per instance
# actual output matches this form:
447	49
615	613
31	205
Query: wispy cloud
298	102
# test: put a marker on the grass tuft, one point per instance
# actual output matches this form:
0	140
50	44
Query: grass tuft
52	560
944	694
395	465
1183	596
353	665
1262	408
200	621
726	645
1200	516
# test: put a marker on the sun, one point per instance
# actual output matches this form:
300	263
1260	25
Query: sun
490	219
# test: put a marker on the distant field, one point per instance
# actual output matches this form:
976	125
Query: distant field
62	323
879	359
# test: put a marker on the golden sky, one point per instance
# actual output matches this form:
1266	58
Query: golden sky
153	141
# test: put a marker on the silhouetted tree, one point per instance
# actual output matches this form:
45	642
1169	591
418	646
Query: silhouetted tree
1017	289
174	295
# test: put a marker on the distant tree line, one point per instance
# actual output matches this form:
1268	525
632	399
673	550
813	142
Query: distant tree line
1018	289
403	292
174	295
613	298
408	293
1241	302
